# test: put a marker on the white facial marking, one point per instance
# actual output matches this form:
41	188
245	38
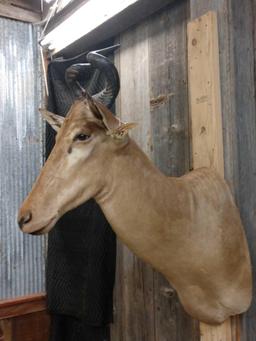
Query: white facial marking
79	153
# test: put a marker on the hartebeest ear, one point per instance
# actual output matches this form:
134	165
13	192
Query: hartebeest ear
54	120
103	114
122	130
114	126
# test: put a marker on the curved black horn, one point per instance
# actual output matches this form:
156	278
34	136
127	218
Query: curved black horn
98	76
77	72
112	85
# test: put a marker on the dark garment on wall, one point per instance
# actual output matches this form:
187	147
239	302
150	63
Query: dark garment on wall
81	248
67	328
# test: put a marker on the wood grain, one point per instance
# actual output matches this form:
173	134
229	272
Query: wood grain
204	93
243	32
22	305
237	42
18	13
29	327
24	319
164	136
153	72
170	143
6	330
206	117
30	5
227	81
134	318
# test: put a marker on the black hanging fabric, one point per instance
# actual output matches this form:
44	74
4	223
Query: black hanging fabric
81	248
66	328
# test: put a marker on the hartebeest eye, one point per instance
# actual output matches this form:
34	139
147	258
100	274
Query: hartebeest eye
82	137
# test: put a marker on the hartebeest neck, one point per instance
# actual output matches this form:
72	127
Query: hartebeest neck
136	188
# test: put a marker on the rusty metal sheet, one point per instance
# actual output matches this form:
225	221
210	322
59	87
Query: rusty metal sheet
21	256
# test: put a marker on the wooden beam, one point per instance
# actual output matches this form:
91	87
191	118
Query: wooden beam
13	11
22	306
204	92
30	5
227	80
206	117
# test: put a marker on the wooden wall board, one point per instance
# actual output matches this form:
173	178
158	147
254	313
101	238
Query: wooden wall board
164	136
170	142
24	319
6	330
153	73
30	5
243	30
16	12
134	317
30	327
236	26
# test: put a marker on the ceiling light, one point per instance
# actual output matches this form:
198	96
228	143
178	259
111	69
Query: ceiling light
89	16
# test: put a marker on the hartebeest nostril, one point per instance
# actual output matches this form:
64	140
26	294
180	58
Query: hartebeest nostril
26	218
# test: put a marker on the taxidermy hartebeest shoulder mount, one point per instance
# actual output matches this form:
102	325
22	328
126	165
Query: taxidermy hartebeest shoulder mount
187	228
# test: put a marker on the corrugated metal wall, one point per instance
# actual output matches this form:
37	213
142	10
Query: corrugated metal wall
21	256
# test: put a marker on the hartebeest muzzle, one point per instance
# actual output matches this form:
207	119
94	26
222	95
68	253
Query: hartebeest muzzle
25	217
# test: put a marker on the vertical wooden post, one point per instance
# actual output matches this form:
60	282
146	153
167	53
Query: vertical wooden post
204	93
206	118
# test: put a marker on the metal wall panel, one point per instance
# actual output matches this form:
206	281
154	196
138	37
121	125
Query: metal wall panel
21	256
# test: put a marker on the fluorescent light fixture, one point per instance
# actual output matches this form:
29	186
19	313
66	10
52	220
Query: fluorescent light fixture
62	4
89	16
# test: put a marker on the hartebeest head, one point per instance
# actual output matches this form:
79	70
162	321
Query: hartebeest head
187	228
87	139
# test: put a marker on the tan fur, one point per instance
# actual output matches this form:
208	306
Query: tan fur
187	228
